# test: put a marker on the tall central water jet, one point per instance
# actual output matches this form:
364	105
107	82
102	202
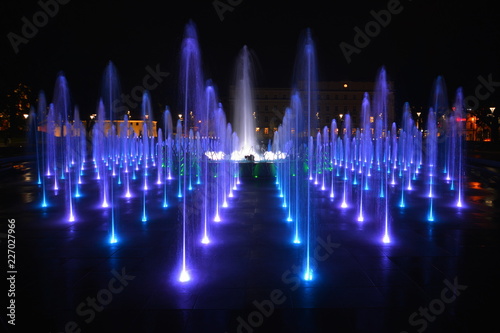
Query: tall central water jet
244	121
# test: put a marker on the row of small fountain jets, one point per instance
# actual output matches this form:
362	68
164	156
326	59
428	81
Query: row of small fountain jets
359	168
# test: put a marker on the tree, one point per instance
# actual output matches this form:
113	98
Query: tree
16	103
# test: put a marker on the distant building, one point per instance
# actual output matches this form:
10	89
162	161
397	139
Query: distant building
481	126
134	126
334	100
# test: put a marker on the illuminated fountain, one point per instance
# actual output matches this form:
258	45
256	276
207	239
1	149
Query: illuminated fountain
244	121
191	95
363	172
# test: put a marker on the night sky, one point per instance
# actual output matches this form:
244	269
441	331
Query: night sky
457	40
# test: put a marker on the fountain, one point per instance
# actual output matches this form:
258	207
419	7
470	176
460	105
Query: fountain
244	106
363	172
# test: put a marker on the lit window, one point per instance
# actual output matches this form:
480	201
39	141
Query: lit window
257	129
266	130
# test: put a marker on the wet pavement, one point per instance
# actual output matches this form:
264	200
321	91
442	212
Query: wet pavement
437	276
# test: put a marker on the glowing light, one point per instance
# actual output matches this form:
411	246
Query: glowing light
71	218
361	218
113	239
296	240
217	218
344	204
308	276
224	204
205	240
289	219
184	277
386	239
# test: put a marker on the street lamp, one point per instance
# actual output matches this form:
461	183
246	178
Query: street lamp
492	109
25	115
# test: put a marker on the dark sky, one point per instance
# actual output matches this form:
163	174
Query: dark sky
458	40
